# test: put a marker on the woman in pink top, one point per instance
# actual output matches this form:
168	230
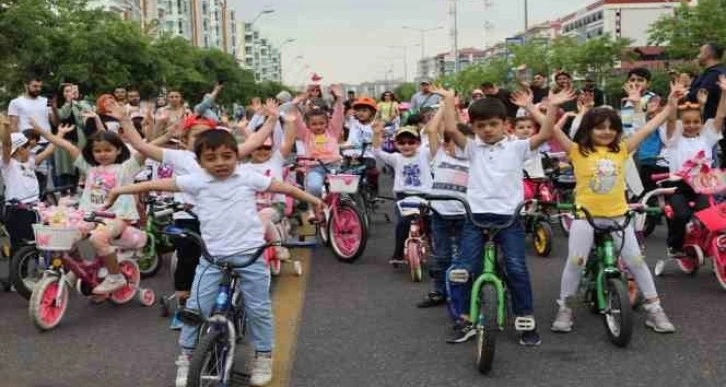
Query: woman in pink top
320	135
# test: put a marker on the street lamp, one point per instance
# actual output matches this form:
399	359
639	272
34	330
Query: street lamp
405	59
423	32
279	50
263	12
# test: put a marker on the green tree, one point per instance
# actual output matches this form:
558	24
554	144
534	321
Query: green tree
689	27
534	54
405	91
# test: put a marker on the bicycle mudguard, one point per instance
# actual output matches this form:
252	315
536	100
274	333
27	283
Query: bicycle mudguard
525	323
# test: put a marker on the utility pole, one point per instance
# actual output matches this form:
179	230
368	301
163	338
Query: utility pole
454	32
526	20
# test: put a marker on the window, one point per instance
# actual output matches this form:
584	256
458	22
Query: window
181	28
206	41
179	4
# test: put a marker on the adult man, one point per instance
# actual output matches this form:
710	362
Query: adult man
709	57
563	81
348	104
492	91
424	98
29	106
119	93
590	87
539	87
476	95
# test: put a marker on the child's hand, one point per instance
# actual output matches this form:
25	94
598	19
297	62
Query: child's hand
110	198
702	95
677	92
271	108
446	94
65	129
522	98
633	92
300	98
336	91
318	205
557	99
291	115
117	110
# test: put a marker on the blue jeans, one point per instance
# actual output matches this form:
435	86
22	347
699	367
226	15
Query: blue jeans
512	243
314	181
444	233
255	284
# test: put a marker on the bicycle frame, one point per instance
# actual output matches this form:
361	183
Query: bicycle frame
489	275
604	266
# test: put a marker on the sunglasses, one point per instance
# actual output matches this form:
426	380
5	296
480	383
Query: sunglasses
406	142
265	147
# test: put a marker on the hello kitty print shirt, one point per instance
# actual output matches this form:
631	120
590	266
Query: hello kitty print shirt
101	179
600	181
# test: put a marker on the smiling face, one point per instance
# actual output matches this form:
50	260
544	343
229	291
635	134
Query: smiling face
489	131
692	123
261	154
407	145
105	153
219	162
174	99
524	129
538	80
603	134
563	82
318	123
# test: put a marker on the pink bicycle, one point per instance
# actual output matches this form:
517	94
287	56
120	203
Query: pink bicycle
67	269
342	225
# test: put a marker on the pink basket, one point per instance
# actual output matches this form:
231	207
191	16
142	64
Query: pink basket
56	238
343	183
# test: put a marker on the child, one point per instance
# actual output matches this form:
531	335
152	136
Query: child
494	191
21	184
184	162
652	152
320	136
451	174
225	204
41	169
599	155
412	175
106	162
361	132
686	138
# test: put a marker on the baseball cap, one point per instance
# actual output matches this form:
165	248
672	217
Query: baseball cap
425	81
412	130
284	96
17	140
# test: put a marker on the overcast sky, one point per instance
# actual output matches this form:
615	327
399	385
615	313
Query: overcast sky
348	41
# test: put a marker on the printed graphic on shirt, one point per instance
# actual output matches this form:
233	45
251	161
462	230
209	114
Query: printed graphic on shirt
412	175
164	171
26	171
454	177
604	177
319	141
101	183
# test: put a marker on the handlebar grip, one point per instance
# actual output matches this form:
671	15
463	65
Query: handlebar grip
104	214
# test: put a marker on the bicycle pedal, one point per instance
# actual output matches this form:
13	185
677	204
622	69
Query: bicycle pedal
525	324
190	317
459	276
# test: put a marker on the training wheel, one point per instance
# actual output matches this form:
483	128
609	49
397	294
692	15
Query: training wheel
297	267
146	297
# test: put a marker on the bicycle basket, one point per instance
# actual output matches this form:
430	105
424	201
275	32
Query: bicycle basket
55	238
343	183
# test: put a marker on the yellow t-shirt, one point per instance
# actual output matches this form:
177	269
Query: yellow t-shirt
387	110
600	180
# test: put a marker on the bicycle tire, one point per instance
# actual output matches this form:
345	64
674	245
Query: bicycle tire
348	256
616	294
45	313
18	266
542	239
207	344
487	328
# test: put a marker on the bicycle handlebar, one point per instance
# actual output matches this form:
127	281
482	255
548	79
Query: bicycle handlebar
469	213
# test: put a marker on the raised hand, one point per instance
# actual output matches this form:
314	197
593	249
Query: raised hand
86	114
677	92
64	129
565	95
117	110
378	125
633	92
272	108
702	96
445	93
522	98
300	98
336	91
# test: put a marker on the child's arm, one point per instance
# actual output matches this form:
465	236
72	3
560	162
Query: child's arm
524	99
721	111
168	185
442	117
277	186
6	141
547	130
387	158
59	141
208	100
256	139
336	122
677	91
289	140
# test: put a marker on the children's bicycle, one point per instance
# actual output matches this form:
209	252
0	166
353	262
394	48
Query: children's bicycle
417	245
213	359
489	291
159	213
67	270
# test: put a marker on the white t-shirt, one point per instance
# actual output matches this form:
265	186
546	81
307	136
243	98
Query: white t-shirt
226	209
533	165
411	174
20	180
495	175
272	168
26	108
183	162
358	135
451	177
682	149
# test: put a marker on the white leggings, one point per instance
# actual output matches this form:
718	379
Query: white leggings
581	240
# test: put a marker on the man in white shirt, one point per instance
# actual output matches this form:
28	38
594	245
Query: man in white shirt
29	105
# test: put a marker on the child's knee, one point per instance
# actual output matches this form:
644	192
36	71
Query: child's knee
578	260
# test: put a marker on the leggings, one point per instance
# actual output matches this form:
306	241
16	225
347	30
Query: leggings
581	239
188	254
118	231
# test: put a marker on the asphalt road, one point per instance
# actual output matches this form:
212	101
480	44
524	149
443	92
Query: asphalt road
356	325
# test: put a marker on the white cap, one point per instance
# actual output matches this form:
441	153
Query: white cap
17	140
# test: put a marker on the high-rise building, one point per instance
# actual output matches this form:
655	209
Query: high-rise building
257	54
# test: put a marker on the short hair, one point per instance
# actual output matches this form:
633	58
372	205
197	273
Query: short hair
315	113
31	135
32	77
487	108
640	72
487	85
561	73
214	139
524	118
716	50
541	74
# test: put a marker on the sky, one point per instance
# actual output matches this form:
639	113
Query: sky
350	41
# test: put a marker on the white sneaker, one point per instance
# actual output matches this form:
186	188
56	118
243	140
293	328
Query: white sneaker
657	320
282	253
110	284
261	373
563	321
182	370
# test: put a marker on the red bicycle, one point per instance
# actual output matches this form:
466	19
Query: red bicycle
49	300
417	243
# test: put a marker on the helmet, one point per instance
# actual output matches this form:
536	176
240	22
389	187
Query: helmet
194	121
404	106
366	102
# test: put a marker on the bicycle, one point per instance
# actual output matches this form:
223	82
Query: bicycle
605	285
489	292
213	359
418	242
159	213
341	225
49	299
366	197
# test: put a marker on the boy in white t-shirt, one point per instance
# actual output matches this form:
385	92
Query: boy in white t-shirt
411	174
21	184
494	191
224	194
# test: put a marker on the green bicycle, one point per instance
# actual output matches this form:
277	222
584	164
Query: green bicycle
489	291
606	285
158	215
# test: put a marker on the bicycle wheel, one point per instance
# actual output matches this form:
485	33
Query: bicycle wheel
691	262
618	317
487	328
542	239
46	306
361	201
414	257
208	365
130	271
150	261
347	232
26	270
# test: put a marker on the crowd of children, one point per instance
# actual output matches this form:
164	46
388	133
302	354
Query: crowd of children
233	191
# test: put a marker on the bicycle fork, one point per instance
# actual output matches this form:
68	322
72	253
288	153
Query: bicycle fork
488	276
606	269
